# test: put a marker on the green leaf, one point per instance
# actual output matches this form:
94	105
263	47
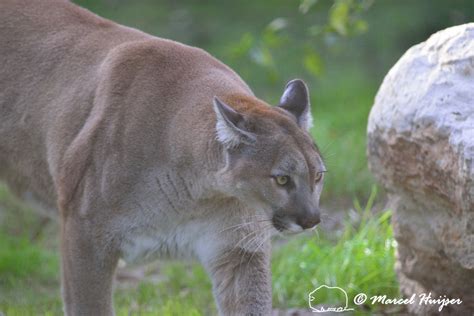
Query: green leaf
360	26
306	5
272	39
272	35
339	17
263	57
313	63
242	47
277	24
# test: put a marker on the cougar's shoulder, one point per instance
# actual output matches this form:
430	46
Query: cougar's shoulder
149	91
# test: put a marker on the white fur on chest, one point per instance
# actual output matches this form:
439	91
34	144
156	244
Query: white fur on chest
139	247
187	240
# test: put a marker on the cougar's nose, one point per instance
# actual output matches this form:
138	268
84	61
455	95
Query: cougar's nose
309	220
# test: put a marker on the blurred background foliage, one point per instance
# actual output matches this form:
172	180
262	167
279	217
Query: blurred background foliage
342	49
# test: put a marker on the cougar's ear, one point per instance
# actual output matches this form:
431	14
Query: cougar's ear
295	99
230	126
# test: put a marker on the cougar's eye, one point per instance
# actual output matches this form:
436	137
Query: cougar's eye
282	180
318	177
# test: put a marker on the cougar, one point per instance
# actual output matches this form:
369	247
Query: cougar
143	147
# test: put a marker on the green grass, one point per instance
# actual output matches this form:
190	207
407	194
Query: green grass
20	259
360	260
185	290
29	277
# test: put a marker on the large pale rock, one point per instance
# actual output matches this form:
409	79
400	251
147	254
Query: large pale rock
421	149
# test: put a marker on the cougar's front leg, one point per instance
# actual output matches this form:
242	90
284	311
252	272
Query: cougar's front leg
242	281
88	267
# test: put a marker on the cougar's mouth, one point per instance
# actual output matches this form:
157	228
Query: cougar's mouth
286	226
278	223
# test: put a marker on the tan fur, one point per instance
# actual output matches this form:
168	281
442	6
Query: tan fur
116	129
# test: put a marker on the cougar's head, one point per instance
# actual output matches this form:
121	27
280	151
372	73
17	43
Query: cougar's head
272	163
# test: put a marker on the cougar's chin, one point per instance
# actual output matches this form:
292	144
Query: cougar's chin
293	228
